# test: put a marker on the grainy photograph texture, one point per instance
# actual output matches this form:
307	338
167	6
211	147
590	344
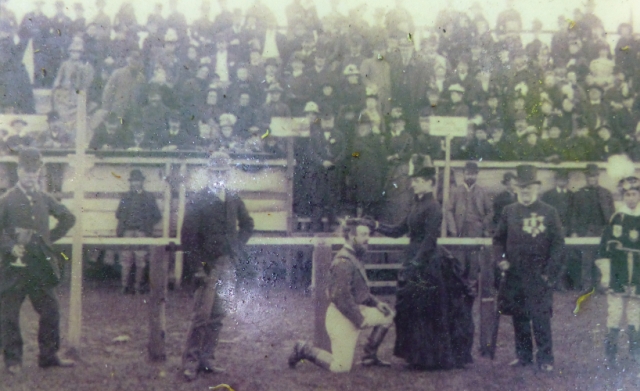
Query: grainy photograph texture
319	195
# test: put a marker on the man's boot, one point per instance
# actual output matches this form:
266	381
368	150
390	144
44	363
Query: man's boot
634	343
139	279
611	346
304	350
371	348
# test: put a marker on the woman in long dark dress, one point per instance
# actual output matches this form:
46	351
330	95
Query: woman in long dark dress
431	333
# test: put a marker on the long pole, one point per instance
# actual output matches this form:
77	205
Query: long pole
75	305
445	185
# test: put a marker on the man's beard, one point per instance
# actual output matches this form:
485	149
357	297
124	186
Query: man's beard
360	249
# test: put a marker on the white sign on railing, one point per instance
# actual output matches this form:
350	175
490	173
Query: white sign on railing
448	126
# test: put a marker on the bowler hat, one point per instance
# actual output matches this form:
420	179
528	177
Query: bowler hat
526	175
592	170
424	172
136	175
30	159
471	167
507	177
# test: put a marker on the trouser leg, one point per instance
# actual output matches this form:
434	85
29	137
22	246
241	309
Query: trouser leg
205	298
212	329
523	339
587	273
615	308
633	318
11	301
46	305
344	336
141	262
126	262
544	342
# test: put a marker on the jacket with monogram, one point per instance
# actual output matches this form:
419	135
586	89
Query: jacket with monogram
621	244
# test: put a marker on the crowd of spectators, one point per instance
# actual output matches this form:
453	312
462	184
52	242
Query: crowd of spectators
215	84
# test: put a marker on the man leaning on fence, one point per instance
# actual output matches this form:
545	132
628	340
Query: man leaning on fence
137	214
29	265
352	308
216	227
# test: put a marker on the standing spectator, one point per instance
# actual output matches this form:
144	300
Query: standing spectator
137	213
80	22
528	248
60	37
626	51
506	197
35	26
352	308
16	93
509	20
378	74
409	78
469	215
123	91
327	149
599	202
102	20
216	227
273	107
397	192
26	236
560	42
299	86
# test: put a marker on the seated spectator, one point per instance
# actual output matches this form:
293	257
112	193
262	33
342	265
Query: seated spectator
481	149
352	90
175	136
491	111
298	84
605	144
503	146
212	109
111	135
241	85
21	137
602	67
327	99
580	147
595	112
624	121
254	142
577	62
229	140
457	106
372	109
273	107
529	148
56	137
154	118
245	112
425	143
633	150
553	147
435	105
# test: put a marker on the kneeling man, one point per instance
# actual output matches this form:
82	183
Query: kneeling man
352	308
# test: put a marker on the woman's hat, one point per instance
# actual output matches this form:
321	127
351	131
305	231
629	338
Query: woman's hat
507	177
527	175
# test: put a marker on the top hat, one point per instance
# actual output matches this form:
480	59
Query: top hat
30	159
592	170
527	175
471	167
507	177
136	175
424	172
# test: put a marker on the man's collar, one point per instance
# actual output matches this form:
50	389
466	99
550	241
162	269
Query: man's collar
628	211
469	188
561	190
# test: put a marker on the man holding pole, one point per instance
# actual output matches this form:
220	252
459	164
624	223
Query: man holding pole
216	227
29	265
352	308
528	249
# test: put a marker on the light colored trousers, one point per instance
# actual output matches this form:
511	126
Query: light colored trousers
128	257
344	334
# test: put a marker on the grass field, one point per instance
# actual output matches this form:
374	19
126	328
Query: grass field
257	339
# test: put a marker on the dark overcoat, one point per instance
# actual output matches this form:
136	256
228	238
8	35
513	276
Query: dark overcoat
620	243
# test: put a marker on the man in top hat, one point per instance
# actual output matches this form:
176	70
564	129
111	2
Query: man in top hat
216	227
507	197
29	265
352	308
619	264
528	248
598	201
137	214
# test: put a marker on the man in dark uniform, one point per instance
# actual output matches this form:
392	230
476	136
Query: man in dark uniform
619	264
598	201
216	226
507	197
137	214
29	266
527	248
352	308
561	198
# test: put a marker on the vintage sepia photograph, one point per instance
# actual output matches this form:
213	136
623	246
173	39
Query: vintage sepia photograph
262	195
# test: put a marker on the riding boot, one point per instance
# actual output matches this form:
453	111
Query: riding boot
303	350
139	279
634	343
371	348
611	346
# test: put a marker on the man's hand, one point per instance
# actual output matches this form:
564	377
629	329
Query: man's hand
504	265
384	308
18	251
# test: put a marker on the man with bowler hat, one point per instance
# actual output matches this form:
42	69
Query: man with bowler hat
528	248
507	197
216	227
29	265
137	213
590	213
